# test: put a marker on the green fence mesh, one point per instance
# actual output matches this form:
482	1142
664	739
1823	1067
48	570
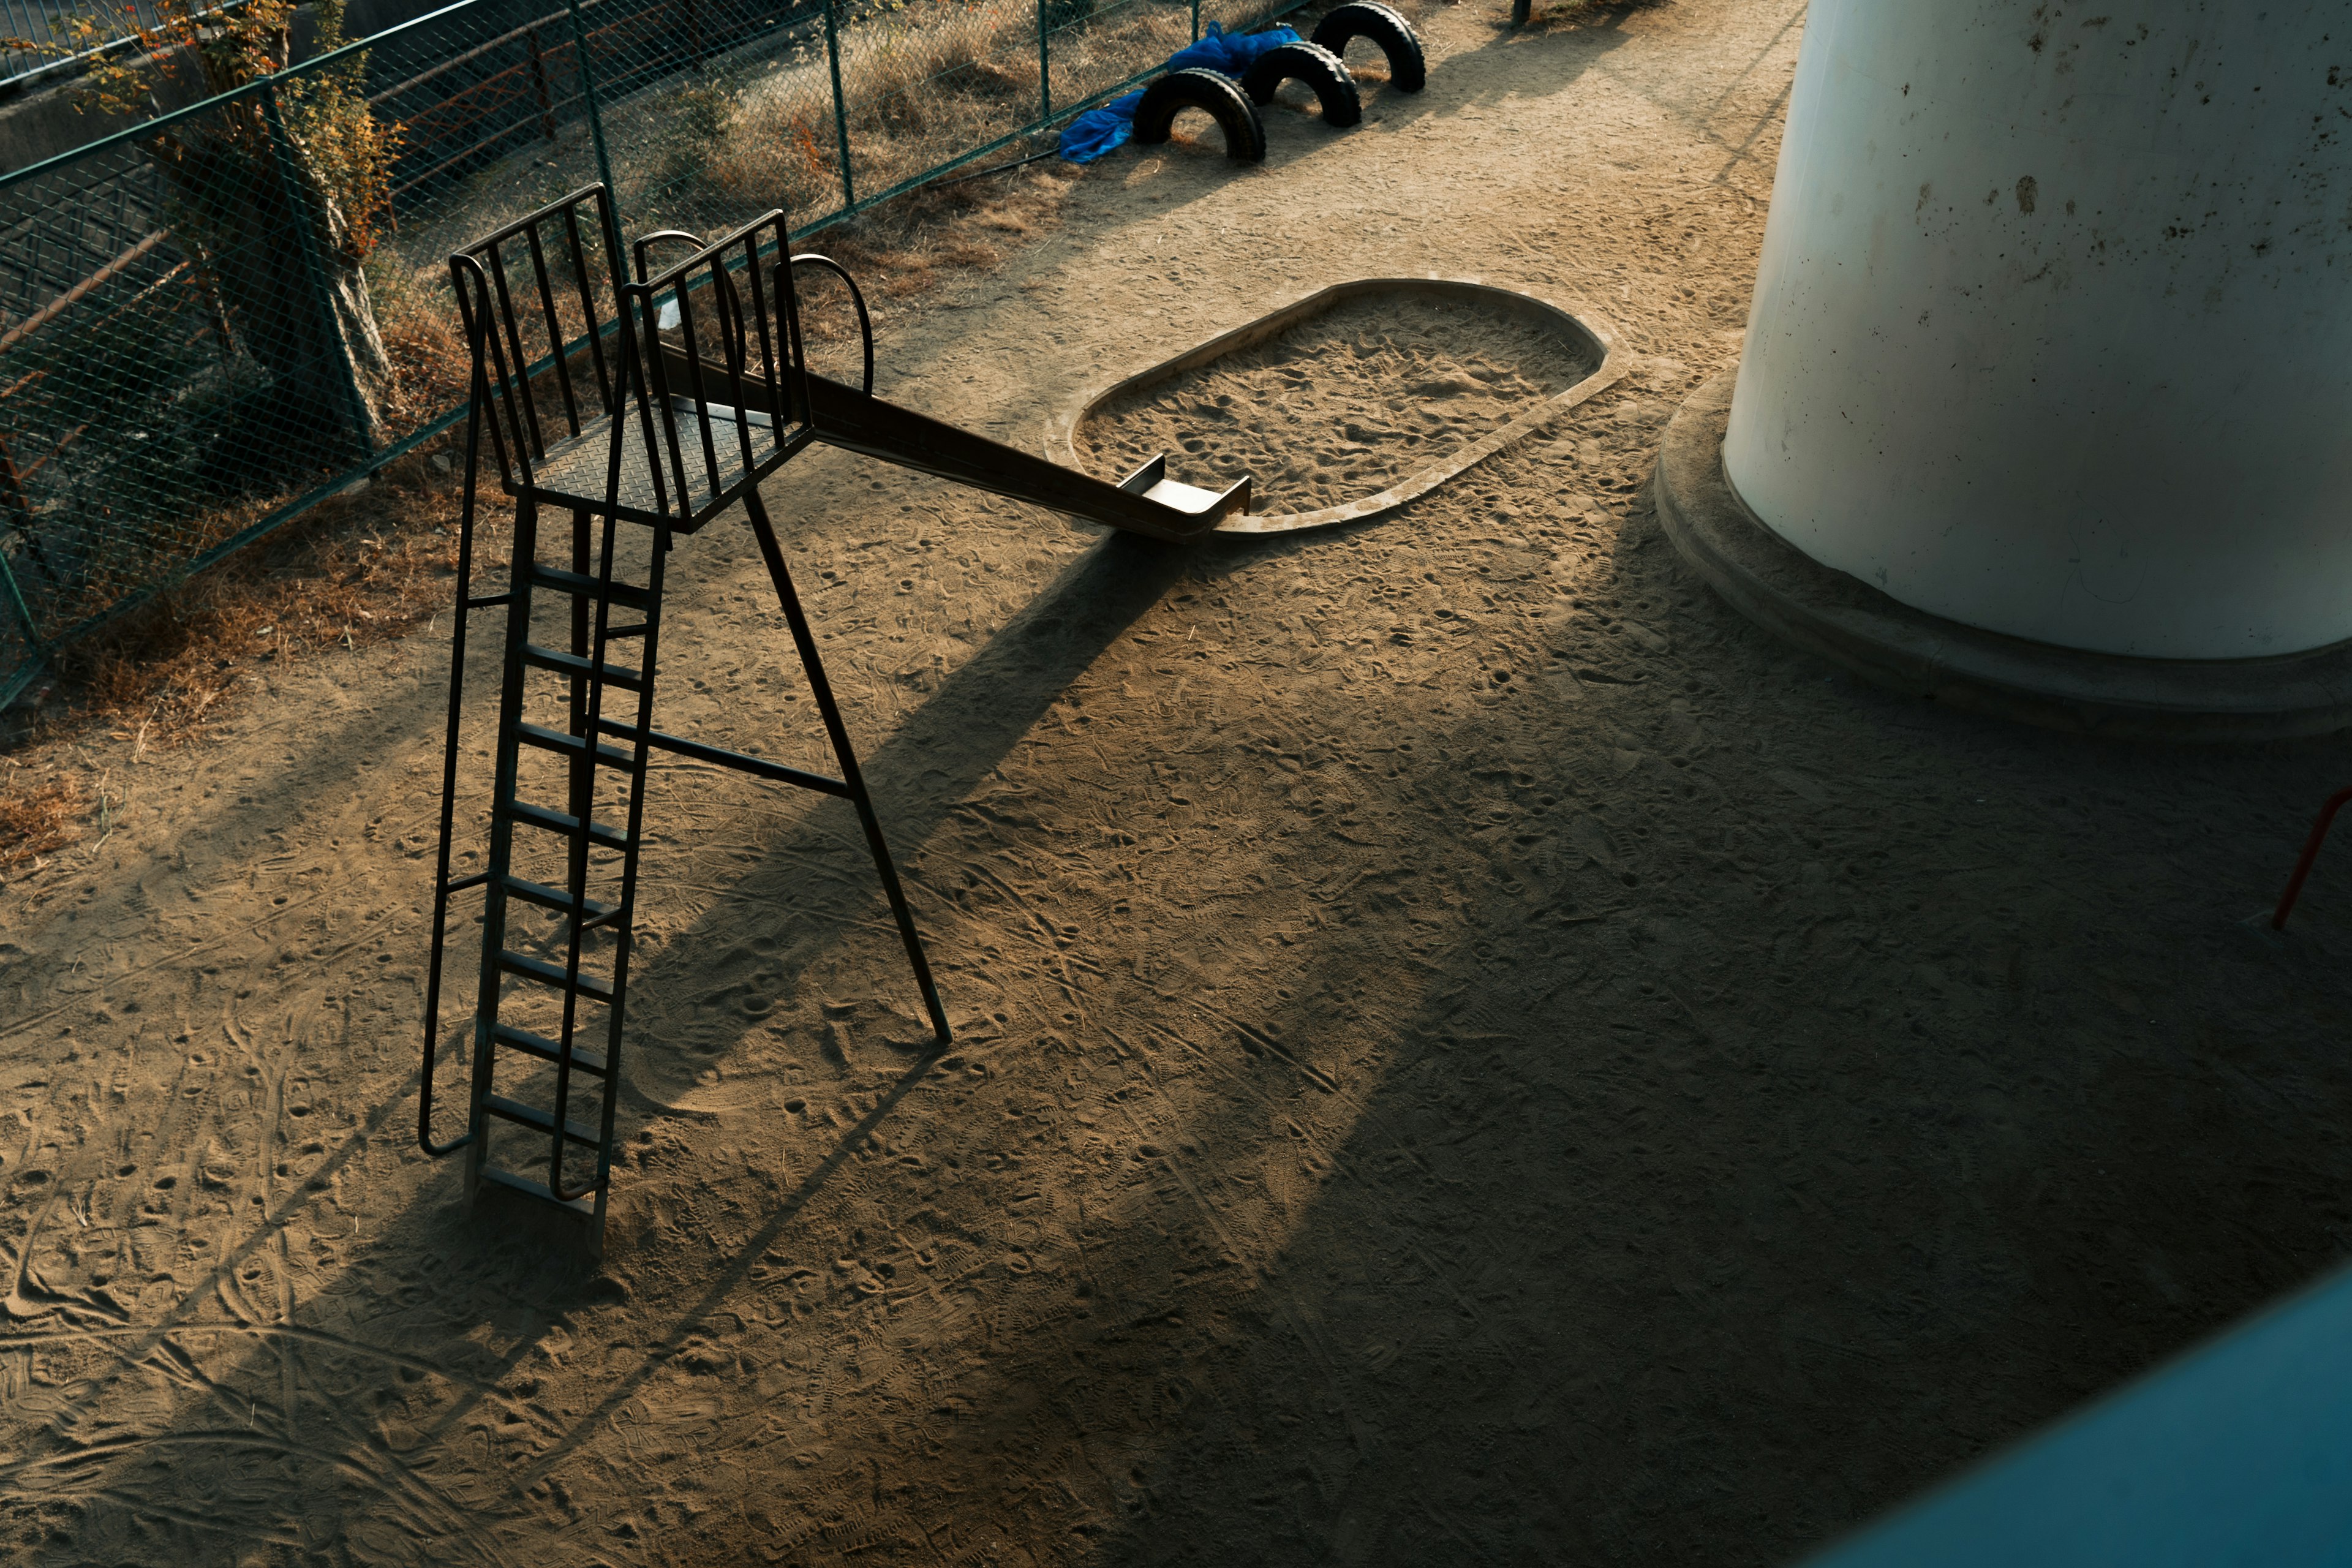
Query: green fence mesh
211	320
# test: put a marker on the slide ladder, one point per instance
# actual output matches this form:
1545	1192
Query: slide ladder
661	408
602	755
575	723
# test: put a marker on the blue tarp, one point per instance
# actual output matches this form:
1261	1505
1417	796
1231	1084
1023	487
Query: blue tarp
1099	129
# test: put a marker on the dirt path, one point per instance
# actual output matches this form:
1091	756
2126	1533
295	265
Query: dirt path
1470	1053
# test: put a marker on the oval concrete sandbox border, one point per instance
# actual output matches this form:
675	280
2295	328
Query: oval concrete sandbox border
1061	435
1845	620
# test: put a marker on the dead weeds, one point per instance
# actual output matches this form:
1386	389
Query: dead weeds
357	569
927	238
38	819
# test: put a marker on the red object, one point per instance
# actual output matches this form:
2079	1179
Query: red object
2310	852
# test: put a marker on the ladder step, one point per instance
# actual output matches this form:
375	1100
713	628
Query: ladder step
555	898
602	834
530	968
533	1116
572	745
573	582
584	1207
572	664
585	1059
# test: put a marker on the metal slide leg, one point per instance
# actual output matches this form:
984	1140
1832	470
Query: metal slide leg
822	688
444	885
501	846
581	794
2335	803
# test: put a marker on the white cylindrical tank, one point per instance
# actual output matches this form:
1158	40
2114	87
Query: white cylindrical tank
2052	333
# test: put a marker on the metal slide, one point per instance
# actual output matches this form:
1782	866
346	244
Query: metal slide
1147	502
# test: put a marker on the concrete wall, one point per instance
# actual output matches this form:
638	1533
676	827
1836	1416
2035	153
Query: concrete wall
2052	331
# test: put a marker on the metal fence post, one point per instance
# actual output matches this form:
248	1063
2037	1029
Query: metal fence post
538	83
840	106
596	113
16	596
1044	68
305	231
19	520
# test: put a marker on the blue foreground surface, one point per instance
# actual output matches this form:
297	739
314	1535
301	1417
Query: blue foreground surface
2240	1453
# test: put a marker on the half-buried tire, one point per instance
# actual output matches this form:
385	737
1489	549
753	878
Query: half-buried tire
1408	71
1315	66
1220	96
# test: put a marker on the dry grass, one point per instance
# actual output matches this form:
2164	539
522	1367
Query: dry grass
924	85
924	240
429	361
39	818
355	569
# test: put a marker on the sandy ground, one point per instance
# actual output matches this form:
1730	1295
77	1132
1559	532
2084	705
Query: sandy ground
1339	407
1469	1051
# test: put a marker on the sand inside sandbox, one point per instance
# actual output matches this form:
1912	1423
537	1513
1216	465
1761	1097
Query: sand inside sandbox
1342	404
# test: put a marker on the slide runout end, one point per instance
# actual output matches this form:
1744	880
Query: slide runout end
1151	482
1194	502
1147	502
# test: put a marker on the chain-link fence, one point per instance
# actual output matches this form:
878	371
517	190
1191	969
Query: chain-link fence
215	319
40	20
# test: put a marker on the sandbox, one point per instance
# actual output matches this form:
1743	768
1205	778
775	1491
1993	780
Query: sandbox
1354	400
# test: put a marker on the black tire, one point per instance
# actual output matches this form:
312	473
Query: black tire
1221	96
1408	71
1315	66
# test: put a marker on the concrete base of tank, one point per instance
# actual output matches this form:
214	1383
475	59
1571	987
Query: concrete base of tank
1845	620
